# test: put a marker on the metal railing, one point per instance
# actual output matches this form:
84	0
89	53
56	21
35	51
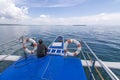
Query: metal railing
9	48
107	70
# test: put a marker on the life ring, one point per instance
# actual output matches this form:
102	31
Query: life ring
25	47
78	47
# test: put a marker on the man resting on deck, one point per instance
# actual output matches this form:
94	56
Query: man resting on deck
41	49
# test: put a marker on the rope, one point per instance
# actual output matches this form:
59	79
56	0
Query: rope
101	77
22	59
42	77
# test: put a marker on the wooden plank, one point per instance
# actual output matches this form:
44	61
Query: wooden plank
114	65
9	58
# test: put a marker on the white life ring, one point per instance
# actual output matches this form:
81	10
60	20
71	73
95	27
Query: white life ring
25	47
78	47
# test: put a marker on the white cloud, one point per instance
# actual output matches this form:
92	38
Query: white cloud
10	13
8	10
44	16
102	19
98	19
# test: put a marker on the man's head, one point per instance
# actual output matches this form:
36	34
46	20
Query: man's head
40	41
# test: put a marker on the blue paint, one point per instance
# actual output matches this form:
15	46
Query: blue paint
57	49
50	67
58	39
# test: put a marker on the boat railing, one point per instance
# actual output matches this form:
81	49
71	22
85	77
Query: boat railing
90	56
9	49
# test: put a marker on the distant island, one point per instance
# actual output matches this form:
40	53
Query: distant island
32	25
79	25
11	24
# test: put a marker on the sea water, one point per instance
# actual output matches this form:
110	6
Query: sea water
104	40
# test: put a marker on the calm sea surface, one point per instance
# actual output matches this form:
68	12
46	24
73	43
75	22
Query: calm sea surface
104	40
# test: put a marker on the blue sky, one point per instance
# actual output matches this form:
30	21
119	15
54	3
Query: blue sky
85	8
60	11
68	9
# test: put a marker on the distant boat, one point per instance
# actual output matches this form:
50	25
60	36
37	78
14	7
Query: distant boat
59	64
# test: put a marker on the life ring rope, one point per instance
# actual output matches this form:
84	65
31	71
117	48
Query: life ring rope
72	41
25	47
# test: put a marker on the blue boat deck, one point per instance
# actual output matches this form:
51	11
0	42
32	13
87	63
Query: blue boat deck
50	67
46	68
